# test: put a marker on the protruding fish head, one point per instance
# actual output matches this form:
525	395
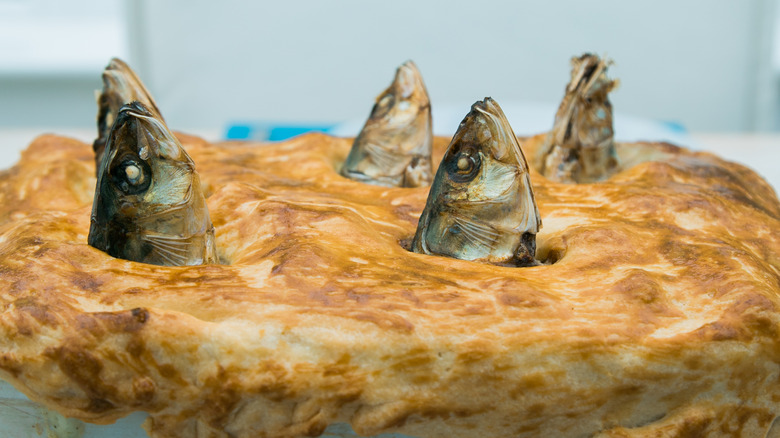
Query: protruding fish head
481	205
403	100
149	206
394	147
589	77
120	86
484	158
581	148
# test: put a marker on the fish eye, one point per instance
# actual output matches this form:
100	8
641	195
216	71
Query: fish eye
131	176
134	175
381	107
465	165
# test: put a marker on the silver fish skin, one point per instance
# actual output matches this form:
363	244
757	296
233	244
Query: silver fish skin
394	147
120	86
481	205
149	206
581	147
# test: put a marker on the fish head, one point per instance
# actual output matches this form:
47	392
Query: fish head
484	162
394	147
120	86
481	205
401	103
588	89
146	185
589	76
580	147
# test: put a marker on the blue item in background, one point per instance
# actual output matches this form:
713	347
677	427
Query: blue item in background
269	131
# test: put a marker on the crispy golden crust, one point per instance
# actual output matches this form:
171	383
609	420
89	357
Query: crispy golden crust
656	313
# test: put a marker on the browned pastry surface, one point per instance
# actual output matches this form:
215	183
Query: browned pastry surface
655	313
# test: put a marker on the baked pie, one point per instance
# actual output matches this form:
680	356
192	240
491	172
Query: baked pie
652	309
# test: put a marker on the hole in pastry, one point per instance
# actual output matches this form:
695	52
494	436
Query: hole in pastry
551	256
549	252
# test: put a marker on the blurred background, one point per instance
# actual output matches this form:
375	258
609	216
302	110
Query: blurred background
701	73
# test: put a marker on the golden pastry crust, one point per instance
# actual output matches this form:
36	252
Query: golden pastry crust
656	313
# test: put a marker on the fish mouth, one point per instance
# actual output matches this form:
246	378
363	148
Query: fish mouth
588	81
407	80
138	112
117	72
488	106
586	71
147	129
126	85
120	78
117	64
503	143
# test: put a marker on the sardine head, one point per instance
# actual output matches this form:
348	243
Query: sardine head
147	189
589	77
403	100
580	148
481	205
394	147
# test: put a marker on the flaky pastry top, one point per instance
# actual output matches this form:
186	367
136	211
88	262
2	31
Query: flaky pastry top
655	309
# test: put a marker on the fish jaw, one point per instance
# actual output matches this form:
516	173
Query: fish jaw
408	82
581	148
394	147
481	205
160	217
121	85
